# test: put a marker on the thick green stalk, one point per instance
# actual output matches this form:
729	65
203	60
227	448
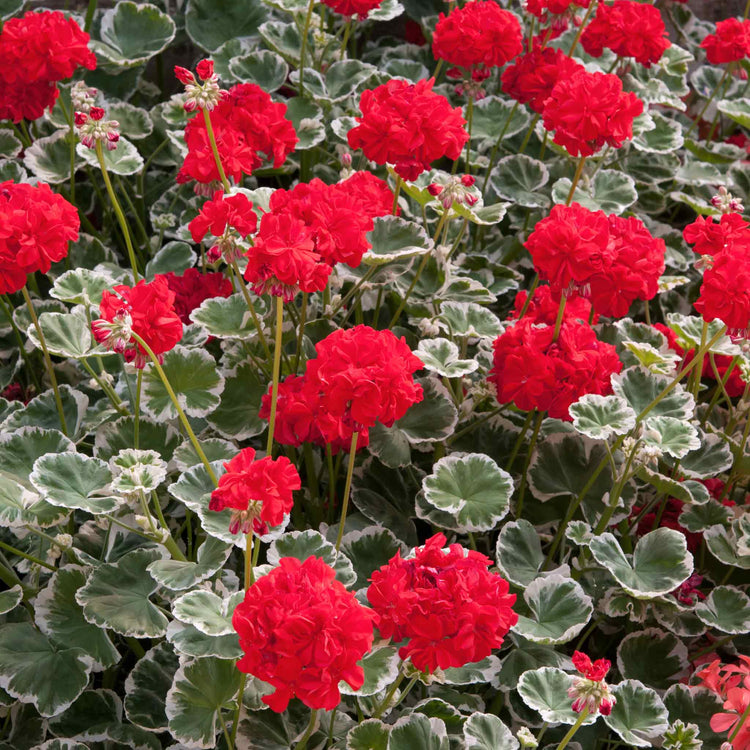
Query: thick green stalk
215	150
302	744
251	308
303	48
576	179
347	487
275	374
569	736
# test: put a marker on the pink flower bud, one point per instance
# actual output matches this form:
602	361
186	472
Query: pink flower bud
434	189
183	75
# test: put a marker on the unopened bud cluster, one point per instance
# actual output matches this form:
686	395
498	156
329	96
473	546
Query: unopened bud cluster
82	97
203	94
92	127
726	202
455	190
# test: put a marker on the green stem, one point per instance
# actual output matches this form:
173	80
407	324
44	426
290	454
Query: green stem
519	440
396	193
8	310
251	307
469	118
716	90
302	744
581	718
89	15
180	413
347	487
528	135
107	389
30	558
616	491
532	445
249	575
215	150
303	48
380	710
559	319
224	730
47	359
137	411
347	34
300	332
118	211
581	29
529	295
698	372
576	179
170	543
275	375
368	274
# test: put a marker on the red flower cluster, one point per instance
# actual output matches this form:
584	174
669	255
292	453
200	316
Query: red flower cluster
449	606
480	33
36	52
408	125
147	309
730	41
629	29
544	307
590	692
360	376
260	492
535	373
670	519
712	237
193	287
532	76
349	8
731	682
247	124
611	260
35	228
588	110
543	8
303	633
725	292
228	219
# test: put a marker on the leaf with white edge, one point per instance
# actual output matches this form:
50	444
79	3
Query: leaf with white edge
737	110
703	517
137	471
600	417
19	506
712	458
215	449
386	11
262	67
418	731
610	191
20	449
381	667
89	717
727	609
189	641
695	705
639	388
638	716
178	575
310	543
226	318
81	286
132	33
211	23
653	657
655	360
667	282
485	670
200	690
660	563
519	552
546	691
482	215
48	159
116	596
491	115
370	734
723	545
670	435
468	319
441	356
393	238
195	379
559	610
368	550
487	732
236	417
122	160
74	481
41	411
307	117
345	77
472	487
518	177
10	599
66	334
689	330
432	419
175	257
389	445
36	670
689	490
113	437
147	686
10	146
664	138
206	611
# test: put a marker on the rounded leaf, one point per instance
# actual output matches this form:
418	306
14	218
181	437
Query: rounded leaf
393	238
441	356
727	609
638	716
123	160
546	691
600	417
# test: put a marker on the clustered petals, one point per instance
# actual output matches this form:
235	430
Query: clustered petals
349	8
731	683
192	288
228	218
729	43
590	692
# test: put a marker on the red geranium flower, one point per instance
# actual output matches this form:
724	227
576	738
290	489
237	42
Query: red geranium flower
349	8
408	125
730	41
235	211
531	78
247	125
712	237
542	8
588	110
193	287
36	226
449	606
479	33
303	633
629	29
147	309
260	492
374	194
535	373
544	307
591	692
725	292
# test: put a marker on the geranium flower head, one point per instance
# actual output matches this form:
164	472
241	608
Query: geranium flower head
228	218
729	43
590	692
203	94
193	287
303	633
259	492
408	125
542	9
725	292
448	605
349	8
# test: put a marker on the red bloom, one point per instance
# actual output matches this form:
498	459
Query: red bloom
259	491
532	76
735	705
479	33
283	260
147	309
591	670
730	41
303	633
590	692
449	606
711	237
247	124
670	519
408	125
535	373
374	194
543	8
725	292
35	228
348	8
22	101
193	287
589	110
220	212
629	29
544	307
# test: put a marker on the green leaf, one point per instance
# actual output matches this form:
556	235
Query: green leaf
660	563
135	122
471	487
432	419
518	177
638	716
468	319
20	449
610	191
122	160
727	609
262	67
195	379
177	575
137	471
712	458
600	417
519	552
417	731
226	318
652	656
723	545
310	543
89	717
389	445
737	110
19	506
66	334
10	146
487	732
81	286
189	641
147	686
381	667
236	417
201	688
211	23
206	611
10	599
546	691
48	159
9	8
368	550
393	238
113	437
441	356
346	77
702	517
639	388
132	33
559	610
307	118
696	705
116	596
689	330
176	257
695	173
370	734
664	138
491	115
689	491
35	670
74	481
670	435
